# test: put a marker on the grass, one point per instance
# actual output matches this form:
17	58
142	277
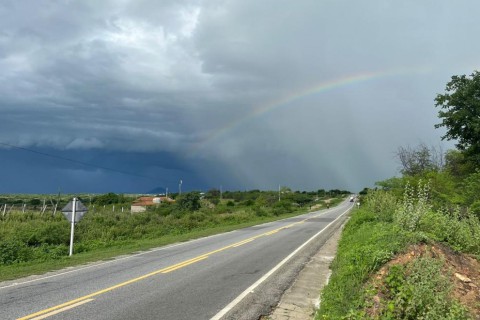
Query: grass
366	244
123	247
382	228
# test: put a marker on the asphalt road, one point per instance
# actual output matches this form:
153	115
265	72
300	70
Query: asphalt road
212	277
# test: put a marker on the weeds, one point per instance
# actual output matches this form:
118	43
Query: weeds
414	206
382	228
419	290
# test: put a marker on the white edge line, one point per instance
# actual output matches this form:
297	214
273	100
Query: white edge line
232	304
129	256
95	264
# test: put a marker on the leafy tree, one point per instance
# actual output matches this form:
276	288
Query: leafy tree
189	201
109	198
212	194
457	165
460	113
472	188
35	202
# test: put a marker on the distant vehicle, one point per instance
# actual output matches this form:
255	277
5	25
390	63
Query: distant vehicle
351	199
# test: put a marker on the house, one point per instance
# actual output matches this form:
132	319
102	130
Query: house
141	204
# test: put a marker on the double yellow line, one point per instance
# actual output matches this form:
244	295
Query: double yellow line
85	299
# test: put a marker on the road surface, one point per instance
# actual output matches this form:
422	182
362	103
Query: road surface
223	276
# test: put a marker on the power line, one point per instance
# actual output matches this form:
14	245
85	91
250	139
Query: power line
77	161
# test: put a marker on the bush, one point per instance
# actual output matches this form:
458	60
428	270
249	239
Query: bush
419	290
14	251
366	244
460	232
415	205
382	203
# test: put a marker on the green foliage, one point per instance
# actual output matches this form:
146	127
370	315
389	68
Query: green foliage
460	230
13	251
472	189
384	226
31	236
110	198
414	206
189	201
460	113
382	203
366	244
418	160
457	164
419	290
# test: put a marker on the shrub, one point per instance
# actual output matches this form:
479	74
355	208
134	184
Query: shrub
413	207
419	290
14	251
382	203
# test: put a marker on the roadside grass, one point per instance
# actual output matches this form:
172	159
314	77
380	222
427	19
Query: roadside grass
384	227
192	227
366	244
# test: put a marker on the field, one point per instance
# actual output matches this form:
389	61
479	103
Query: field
35	239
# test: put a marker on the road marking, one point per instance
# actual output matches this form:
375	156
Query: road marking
273	231
122	284
98	264
62	310
241	243
250	289
79	301
184	264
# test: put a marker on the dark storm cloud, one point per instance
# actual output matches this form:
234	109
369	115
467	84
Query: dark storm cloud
183	81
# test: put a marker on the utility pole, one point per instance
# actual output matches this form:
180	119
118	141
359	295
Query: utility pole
180	188
278	193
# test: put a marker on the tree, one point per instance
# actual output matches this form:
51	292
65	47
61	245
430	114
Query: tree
457	165
418	160
189	201
460	113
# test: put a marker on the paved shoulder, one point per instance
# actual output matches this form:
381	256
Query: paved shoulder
302	299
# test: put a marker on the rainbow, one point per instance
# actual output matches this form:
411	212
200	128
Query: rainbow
310	90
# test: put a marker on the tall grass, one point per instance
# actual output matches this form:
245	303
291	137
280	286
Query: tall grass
386	226
30	238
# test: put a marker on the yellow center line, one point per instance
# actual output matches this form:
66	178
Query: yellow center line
184	264
242	243
62	309
272	232
42	314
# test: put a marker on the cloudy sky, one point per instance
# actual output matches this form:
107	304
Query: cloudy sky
131	95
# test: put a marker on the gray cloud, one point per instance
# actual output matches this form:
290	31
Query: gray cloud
199	80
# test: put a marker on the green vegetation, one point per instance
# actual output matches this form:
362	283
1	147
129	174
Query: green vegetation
437	200
384	227
36	240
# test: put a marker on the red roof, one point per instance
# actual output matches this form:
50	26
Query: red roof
148	201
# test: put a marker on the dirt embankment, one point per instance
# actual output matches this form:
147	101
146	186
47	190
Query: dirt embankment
463	270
